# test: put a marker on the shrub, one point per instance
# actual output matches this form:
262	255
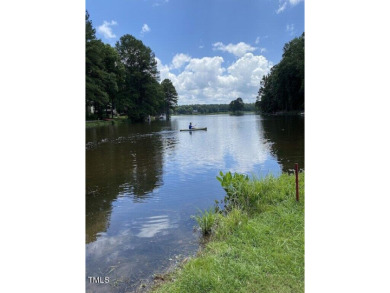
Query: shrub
206	220
233	185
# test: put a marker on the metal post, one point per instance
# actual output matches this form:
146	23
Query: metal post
296	182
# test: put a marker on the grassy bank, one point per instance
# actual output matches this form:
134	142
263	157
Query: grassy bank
256	243
96	123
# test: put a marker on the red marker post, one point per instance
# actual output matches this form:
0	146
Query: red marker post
296	182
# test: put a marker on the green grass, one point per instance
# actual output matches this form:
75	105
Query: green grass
206	220
258	246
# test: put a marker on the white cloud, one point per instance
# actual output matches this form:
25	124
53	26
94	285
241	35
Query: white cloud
145	29
283	4
179	60
294	2
205	80
238	49
262	50
106	29
164	71
282	7
290	29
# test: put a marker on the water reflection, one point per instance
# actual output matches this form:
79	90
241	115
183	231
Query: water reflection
121	161
144	181
287	137
154	225
231	143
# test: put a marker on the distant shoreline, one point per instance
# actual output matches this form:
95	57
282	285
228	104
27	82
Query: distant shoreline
122	119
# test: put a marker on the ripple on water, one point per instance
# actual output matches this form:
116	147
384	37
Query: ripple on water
150	226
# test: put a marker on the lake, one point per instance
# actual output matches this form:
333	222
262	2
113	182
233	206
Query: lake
144	181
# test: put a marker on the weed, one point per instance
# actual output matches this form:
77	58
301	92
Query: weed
206	220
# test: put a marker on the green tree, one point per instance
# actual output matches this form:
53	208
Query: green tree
90	32
96	95
236	105
141	78
170	97
104	73
114	75
283	88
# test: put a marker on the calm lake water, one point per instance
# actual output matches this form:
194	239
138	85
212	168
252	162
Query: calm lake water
144	181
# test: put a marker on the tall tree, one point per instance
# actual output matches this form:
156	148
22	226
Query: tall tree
137	93
114	76
104	73
96	95
90	32
170	97
283	88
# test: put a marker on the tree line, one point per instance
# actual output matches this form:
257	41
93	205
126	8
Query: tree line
124	78
210	108
282	90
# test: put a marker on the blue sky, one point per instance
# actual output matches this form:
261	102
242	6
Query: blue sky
213	51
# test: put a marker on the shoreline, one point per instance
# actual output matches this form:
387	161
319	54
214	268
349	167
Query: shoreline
105	122
249	249
113	121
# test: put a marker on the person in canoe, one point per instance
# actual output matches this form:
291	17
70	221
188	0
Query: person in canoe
190	126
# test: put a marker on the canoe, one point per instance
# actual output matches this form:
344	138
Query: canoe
193	129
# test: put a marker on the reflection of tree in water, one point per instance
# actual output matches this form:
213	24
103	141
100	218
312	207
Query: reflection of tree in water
286	133
127	161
